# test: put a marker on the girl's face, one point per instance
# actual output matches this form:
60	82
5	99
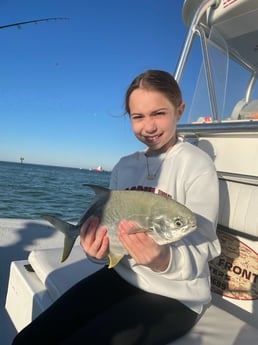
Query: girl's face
154	119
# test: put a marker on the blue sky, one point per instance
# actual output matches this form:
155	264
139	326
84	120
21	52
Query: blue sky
62	83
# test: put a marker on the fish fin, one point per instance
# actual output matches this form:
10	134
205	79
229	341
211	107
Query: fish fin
99	190
68	246
114	259
65	228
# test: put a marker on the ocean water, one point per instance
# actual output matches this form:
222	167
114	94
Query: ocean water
27	190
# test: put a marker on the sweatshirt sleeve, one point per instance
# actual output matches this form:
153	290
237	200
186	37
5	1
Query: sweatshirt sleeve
190	255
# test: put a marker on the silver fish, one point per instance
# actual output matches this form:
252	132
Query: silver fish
163	219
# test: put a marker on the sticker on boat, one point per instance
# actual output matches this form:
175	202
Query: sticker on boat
234	274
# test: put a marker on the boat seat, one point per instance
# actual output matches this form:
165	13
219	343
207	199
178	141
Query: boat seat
245	111
249	111
232	317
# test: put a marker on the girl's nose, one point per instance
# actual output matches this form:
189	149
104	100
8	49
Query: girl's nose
150	125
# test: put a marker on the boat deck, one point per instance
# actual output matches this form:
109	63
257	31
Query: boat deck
18	237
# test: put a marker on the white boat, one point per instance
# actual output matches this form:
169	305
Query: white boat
98	169
223	122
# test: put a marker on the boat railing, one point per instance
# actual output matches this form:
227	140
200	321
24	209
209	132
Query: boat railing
215	34
218	127
190	37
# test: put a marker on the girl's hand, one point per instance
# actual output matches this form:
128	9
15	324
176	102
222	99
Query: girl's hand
142	248
94	243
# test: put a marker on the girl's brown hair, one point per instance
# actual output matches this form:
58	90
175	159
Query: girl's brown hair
156	80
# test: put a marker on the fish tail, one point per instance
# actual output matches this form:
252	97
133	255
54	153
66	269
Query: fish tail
67	229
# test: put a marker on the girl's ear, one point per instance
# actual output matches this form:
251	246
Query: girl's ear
180	110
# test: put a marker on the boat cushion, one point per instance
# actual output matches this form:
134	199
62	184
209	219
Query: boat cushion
234	274
238	206
56	276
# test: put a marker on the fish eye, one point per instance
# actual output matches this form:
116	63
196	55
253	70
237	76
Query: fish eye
178	221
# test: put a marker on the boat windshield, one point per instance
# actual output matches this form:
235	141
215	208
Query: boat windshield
223	86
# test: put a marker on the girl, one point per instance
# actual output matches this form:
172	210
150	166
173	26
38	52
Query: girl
155	294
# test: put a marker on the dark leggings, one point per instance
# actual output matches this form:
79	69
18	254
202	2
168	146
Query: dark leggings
103	309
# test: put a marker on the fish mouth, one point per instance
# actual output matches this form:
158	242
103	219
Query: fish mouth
191	227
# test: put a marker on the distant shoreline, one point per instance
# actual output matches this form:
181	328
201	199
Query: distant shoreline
54	166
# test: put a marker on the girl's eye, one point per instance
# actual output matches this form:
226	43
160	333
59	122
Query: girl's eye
160	113
136	117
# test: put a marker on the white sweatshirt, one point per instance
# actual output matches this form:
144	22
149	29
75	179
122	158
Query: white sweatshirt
187	175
